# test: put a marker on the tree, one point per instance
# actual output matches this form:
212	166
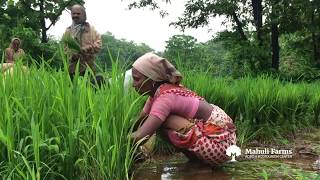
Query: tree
292	16
257	15
269	17
38	11
181	46
306	17
274	22
26	19
199	12
149	3
34	14
126	52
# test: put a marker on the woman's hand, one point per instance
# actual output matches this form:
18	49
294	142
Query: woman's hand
133	135
136	138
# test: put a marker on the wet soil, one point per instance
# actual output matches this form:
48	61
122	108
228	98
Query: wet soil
305	147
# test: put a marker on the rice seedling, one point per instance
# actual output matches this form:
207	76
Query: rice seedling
71	43
163	147
63	129
263	108
266	169
55	128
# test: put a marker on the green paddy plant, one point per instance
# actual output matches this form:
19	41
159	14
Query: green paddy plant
315	102
72	44
266	107
214	89
294	104
53	128
163	147
267	169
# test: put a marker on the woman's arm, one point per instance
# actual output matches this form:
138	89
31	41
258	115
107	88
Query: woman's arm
142	117
151	124
9	55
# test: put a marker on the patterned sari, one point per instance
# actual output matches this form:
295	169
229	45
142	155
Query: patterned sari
203	140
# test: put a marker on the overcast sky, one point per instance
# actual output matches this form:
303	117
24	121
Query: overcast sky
138	25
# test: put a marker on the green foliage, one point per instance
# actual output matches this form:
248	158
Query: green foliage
126	52
29	39
52	128
249	50
198	12
41	12
185	47
36	50
71	44
163	147
235	57
297	61
34	14
224	55
264	108
23	19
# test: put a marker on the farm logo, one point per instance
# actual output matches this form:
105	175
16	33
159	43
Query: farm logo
233	151
263	153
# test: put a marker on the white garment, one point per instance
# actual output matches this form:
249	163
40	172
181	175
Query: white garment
127	80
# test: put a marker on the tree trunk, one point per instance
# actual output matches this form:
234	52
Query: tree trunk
315	42
239	26
257	15
275	46
59	12
44	38
315	48
317	37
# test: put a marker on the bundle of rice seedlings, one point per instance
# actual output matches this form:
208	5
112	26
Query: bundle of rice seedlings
71	44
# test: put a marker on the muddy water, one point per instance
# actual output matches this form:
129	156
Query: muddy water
178	167
306	150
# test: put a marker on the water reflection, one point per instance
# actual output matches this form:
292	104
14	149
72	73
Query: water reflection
307	151
178	167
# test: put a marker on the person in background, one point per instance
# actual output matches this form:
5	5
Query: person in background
200	130
87	37
14	52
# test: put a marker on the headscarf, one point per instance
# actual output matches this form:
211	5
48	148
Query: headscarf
77	28
157	68
12	40
14	54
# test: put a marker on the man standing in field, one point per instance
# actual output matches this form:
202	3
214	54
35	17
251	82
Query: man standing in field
88	39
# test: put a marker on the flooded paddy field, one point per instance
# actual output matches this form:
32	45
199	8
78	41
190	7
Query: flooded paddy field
302	164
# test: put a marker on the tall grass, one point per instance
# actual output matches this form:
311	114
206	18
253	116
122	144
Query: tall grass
52	128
